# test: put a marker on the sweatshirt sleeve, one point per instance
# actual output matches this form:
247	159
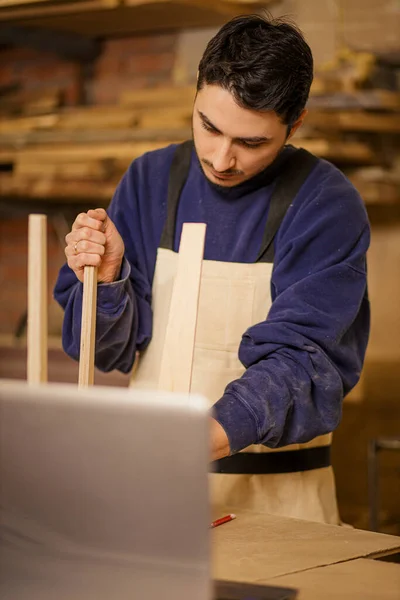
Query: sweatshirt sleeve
308	354
124	316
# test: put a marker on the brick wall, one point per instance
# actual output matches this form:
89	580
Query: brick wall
132	63
125	63
36	72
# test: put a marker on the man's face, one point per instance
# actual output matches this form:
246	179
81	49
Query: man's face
233	143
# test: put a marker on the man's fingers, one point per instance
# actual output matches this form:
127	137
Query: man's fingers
80	261
85	233
92	219
84	247
97	213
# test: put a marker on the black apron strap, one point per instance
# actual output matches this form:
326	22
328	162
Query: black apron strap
177	177
268	463
294	173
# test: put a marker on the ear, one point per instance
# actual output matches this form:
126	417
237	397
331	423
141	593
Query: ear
298	123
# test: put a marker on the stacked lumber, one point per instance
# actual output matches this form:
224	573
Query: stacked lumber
75	154
23	103
347	103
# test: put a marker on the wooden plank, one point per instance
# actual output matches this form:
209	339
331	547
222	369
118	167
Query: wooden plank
28	188
37	299
66	137
101	117
354	121
377	192
7	156
177	356
338	151
374	99
88	328
22	124
92	151
30	103
359	579
4	3
87	170
168	118
114	17
256	548
227	7
16	9
155	97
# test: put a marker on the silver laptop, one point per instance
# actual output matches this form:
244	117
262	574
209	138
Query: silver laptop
103	494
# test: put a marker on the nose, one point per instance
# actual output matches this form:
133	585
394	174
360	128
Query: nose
223	158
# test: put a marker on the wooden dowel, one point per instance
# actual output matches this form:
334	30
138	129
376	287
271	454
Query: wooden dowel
177	357
37	299
88	328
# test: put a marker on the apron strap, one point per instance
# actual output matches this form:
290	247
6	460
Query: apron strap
296	170
177	178
268	463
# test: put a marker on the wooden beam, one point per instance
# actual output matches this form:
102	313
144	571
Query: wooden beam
13	10
37	299
354	121
178	96
28	139
51	191
177	356
70	46
94	18
84	152
338	151
88	328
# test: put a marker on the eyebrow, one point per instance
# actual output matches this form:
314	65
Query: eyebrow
253	140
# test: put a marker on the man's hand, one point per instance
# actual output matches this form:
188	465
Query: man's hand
219	441
94	240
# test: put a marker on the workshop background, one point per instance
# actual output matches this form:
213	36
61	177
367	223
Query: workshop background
86	86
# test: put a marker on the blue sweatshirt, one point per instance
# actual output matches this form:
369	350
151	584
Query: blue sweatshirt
308	353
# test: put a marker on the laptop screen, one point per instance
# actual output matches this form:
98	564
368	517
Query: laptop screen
104	493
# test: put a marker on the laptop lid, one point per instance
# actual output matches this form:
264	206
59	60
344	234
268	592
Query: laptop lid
103	494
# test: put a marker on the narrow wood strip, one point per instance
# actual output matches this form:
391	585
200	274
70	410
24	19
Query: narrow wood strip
177	357
88	328
37	299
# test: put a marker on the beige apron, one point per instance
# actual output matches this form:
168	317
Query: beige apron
233	297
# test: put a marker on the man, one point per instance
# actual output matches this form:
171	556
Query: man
283	315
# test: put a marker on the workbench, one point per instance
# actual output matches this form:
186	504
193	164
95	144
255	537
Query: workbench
321	561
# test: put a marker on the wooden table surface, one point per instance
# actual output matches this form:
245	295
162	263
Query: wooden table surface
359	579
309	556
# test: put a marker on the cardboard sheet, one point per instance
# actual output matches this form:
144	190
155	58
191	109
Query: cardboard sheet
256	548
360	579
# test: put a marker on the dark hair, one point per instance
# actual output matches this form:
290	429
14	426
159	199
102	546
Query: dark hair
265	63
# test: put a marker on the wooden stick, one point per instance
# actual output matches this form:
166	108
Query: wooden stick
177	357
88	327
37	299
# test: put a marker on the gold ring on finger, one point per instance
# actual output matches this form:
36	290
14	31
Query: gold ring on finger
76	247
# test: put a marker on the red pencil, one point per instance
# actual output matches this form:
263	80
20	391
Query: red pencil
222	520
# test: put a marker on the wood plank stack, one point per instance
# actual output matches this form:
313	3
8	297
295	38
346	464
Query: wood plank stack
80	153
